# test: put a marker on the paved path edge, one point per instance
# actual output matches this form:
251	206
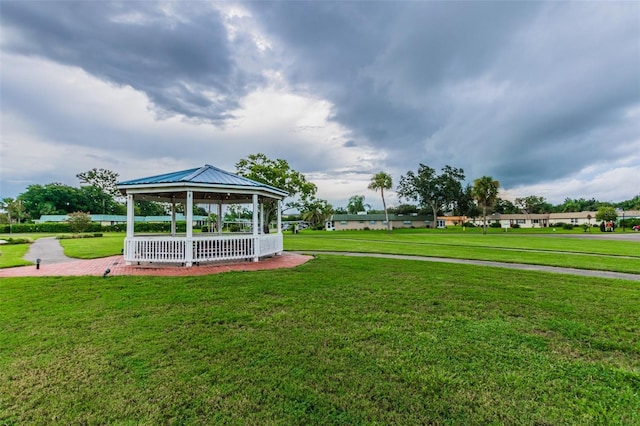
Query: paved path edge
519	266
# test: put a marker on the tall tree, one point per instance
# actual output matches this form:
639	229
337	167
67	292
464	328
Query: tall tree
439	193
56	198
505	207
105	180
607	213
533	204
404	209
356	204
14	209
485	191
466	206
278	174
381	181
317	212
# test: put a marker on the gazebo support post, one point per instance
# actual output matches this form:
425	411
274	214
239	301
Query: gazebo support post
130	221
220	217
173	218
188	247
256	241
130	216
279	223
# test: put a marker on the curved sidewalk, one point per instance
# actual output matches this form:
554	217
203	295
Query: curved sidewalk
520	266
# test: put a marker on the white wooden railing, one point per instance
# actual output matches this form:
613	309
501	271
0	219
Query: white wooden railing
270	244
210	248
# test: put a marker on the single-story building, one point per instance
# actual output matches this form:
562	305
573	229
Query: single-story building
344	222
115	219
444	221
544	220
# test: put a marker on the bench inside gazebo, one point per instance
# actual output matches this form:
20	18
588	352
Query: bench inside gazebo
206	185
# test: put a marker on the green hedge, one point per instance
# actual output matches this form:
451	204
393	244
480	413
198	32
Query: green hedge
63	227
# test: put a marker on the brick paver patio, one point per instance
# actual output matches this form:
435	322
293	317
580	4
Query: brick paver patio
117	266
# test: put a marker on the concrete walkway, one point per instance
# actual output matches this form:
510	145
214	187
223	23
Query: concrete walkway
520	266
48	250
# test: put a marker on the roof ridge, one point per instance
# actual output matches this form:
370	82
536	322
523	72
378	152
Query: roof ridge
196	173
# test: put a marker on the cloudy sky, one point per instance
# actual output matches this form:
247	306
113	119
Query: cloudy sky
542	96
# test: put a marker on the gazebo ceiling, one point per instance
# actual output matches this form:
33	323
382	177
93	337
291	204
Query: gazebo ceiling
198	197
208	184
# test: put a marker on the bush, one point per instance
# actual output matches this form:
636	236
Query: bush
120	227
79	221
515	226
73	236
18	240
158	226
51	227
567	226
495	225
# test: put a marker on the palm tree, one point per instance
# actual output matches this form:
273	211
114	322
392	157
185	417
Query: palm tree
382	181
317	212
485	192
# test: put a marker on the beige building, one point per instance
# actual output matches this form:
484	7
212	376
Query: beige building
344	222
544	220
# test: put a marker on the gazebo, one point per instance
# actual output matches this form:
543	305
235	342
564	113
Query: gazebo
203	185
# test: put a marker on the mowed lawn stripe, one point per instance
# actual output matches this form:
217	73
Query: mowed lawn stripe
622	261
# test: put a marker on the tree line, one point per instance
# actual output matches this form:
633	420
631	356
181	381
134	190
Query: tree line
444	193
425	191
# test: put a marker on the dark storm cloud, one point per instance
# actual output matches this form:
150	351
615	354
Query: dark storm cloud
524	91
405	77
384	64
181	59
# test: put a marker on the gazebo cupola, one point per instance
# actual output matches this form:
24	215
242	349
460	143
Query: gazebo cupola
206	185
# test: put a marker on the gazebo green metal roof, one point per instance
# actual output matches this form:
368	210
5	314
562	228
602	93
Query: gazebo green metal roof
206	174
203	181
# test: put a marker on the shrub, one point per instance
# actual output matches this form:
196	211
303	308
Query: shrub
567	226
158	226
79	221
515	226
74	236
495	225
120	227
19	240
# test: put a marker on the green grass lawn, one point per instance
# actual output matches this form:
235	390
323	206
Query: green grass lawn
110	244
12	255
607	255
338	340
514	247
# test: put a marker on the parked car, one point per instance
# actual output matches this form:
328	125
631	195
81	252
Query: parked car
636	228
